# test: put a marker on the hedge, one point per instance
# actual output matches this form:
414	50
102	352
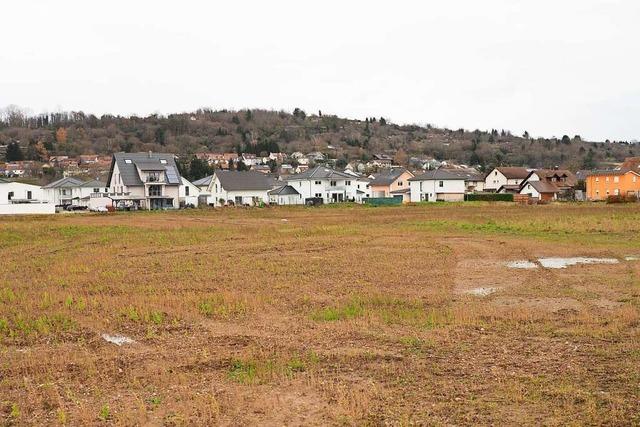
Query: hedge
488	197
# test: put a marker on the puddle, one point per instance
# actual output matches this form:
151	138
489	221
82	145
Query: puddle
522	264
117	339
482	292
632	258
567	262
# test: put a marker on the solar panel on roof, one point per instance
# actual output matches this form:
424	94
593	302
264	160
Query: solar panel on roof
172	175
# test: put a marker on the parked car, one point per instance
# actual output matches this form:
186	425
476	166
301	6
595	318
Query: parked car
99	209
75	208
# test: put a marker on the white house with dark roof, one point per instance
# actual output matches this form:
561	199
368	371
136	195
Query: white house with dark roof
239	188
440	185
63	191
144	180
285	195
330	185
505	176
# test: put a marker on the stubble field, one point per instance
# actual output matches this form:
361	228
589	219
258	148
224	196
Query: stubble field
328	316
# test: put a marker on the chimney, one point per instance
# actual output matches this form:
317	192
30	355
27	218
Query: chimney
149	153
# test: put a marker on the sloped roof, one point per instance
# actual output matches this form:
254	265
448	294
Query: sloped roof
285	190
203	182
320	172
244	180
64	183
542	187
611	172
439	174
570	179
387	177
129	173
94	184
513	172
469	174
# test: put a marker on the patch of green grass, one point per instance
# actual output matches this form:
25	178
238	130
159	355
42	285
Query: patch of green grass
217	306
243	371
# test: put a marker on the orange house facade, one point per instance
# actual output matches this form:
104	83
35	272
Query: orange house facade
602	184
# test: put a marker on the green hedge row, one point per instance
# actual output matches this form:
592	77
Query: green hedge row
488	197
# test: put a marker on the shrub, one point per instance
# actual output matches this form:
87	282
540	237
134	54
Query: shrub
489	197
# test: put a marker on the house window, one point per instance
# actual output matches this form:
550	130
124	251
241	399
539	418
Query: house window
440	184
333	183
318	182
64	192
318	195
495	174
634	178
163	161
399	183
28	195
597	179
127	161
153	177
10	195
186	191
96	190
155	190
616	192
347	183
616	179
606	179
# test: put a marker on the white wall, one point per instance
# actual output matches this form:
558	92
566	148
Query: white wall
309	188
494	180
194	192
28	209
20	192
430	190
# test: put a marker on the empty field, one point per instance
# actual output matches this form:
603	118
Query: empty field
329	316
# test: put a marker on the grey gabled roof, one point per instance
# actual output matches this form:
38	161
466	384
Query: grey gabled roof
604	172
203	182
440	174
244	180
64	183
387	177
94	184
285	190
320	172
129	171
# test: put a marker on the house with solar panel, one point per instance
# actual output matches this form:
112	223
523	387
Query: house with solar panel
144	181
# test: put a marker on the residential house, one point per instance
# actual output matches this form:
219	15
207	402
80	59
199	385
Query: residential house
145	180
316	156
18	198
362	183
285	195
63	191
204	196
618	182
474	181
327	184
189	193
393	182
540	190
381	161
94	194
563	179
249	159
505	176
437	185
88	159
239	188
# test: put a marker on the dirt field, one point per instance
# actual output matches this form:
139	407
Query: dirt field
328	316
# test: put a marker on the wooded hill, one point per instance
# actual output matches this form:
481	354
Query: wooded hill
256	131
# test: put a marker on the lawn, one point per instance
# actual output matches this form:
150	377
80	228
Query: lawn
343	315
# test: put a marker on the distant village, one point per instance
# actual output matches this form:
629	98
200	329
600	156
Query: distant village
150	181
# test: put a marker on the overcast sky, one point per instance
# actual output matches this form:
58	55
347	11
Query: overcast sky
551	67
